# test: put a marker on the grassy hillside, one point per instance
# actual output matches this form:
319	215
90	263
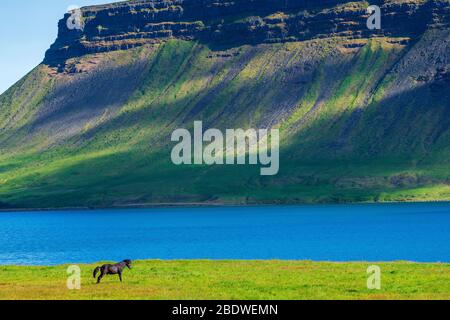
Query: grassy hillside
272	280
360	120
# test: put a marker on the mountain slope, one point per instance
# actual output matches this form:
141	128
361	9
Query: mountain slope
364	115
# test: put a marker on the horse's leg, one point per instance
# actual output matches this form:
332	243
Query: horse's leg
100	277
120	276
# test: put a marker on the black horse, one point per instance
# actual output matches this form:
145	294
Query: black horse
112	269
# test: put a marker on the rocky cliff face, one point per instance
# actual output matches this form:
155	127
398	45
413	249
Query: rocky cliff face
125	25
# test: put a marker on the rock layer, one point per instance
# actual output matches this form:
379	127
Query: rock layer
130	24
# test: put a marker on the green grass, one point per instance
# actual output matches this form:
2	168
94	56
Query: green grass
197	279
388	153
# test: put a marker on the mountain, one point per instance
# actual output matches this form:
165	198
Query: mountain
364	115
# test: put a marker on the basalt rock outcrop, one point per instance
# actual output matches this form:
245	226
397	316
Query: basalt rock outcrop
129	24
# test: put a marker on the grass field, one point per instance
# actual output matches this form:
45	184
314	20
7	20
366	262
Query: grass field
220	280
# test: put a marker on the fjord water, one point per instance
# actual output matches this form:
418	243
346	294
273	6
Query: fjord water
379	232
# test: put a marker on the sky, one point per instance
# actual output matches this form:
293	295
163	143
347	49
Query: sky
27	29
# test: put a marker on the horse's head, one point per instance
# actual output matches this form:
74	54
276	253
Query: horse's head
127	263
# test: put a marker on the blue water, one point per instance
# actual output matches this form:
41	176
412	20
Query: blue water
415	232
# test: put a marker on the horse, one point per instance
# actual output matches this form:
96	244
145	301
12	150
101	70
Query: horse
112	269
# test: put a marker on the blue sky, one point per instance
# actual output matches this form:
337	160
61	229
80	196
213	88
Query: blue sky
27	29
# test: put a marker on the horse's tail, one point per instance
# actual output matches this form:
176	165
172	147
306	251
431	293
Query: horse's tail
96	270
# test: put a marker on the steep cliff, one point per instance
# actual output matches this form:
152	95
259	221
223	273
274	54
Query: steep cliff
134	23
364	114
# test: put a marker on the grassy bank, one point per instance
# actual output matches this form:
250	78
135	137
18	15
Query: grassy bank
233	280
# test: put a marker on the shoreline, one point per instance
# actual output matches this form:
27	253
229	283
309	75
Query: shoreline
206	260
213	205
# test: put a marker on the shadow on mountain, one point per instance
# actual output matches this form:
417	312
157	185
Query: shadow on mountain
330	174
